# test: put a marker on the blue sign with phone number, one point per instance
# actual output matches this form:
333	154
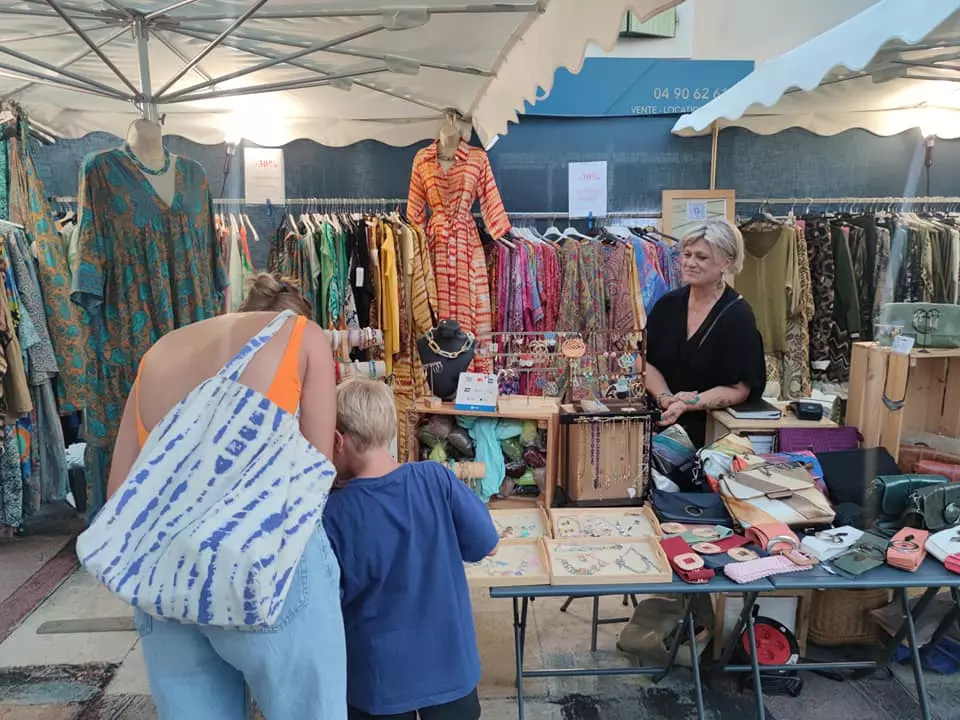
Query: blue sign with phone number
618	87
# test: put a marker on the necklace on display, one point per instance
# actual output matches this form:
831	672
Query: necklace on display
450	355
143	168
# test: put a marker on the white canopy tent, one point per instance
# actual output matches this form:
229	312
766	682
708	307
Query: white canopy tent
893	67
271	71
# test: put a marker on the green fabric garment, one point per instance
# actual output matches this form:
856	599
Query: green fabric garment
329	295
846	310
770	281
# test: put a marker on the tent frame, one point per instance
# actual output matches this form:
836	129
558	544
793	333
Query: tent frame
165	25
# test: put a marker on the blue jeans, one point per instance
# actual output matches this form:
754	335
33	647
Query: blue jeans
295	669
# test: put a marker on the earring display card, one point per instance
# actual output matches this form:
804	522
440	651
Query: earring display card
627	522
590	561
521	524
517	562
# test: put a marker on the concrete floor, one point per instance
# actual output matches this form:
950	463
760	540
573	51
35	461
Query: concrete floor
101	676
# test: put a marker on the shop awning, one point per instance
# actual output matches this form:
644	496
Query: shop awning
893	67
334	71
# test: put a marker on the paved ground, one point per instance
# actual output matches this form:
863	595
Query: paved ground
100	676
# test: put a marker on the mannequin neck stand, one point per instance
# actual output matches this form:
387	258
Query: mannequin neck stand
145	144
446	351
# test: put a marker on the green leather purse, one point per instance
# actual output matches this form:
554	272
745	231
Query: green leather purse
934	508
888	496
869	552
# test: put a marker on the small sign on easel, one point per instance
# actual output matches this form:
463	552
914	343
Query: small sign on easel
477	392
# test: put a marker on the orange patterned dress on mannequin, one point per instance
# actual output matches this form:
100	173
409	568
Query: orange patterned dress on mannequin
463	289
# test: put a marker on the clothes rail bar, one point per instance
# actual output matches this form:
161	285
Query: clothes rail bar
317	201
558	215
914	200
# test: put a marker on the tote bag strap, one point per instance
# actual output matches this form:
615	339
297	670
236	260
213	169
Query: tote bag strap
238	363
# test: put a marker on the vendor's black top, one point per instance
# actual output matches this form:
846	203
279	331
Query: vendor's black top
726	349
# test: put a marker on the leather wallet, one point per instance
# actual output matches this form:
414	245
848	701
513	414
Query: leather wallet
772	537
691	508
887	497
934	508
944	543
828	544
707	533
907	549
685	562
868	553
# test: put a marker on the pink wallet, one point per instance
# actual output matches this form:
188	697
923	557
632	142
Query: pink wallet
907	549
751	570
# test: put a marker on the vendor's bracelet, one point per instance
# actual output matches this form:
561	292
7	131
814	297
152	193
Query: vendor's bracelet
693	402
661	396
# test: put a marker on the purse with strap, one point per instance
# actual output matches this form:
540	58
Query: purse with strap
934	508
216	512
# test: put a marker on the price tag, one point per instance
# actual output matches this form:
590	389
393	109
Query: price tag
697	210
359	280
477	392
903	344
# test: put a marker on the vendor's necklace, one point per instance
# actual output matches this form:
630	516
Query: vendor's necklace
450	355
143	168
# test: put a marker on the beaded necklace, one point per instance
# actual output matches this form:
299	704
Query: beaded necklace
143	168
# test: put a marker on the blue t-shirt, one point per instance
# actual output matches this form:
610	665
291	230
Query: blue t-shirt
401	541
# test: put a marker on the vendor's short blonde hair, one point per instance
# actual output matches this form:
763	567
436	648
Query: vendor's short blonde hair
723	237
366	412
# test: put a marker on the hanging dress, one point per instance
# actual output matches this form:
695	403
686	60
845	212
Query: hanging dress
145	268
463	289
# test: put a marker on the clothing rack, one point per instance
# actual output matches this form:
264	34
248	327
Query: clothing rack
885	201
321	201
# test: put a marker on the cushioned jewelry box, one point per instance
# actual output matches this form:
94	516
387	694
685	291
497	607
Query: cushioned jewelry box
590	561
618	522
521	523
517	562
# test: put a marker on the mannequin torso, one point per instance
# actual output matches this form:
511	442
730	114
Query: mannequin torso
443	372
145	142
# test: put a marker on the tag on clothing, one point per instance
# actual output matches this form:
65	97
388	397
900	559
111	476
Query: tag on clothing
359	280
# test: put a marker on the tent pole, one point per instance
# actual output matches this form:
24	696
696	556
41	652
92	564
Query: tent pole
713	156
148	106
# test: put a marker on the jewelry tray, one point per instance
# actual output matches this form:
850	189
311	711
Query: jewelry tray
521	523
594	561
616	522
517	562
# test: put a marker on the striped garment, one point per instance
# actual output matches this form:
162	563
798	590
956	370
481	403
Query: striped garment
218	508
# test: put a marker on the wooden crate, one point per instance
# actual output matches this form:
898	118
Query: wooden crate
922	393
546	417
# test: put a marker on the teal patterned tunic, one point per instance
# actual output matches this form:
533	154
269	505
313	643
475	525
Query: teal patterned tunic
144	268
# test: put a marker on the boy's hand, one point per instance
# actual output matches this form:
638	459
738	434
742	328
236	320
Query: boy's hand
494	551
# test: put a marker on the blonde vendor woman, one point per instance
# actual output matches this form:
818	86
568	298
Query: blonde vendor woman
704	351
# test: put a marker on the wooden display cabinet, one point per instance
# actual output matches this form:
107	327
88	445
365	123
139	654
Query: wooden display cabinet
893	394
546	417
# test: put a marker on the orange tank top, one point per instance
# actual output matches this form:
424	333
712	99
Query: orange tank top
285	388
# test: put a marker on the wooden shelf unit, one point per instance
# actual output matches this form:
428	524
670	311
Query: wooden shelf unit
546	418
893	394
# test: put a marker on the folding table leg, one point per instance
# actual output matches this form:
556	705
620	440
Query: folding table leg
749	600
683	628
755	665
949	619
595	623
695	661
566	604
518	641
914	654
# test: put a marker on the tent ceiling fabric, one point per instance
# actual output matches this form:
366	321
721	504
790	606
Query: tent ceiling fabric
332	71
893	67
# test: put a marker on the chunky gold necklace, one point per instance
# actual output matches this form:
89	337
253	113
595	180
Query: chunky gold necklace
432	344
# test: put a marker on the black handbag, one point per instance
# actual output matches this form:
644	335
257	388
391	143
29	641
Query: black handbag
934	508
691	508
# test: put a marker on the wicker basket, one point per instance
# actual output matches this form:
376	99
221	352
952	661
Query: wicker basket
842	617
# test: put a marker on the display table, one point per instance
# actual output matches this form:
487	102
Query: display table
720	423
931	577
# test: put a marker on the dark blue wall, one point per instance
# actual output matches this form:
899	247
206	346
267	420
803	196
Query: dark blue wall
530	164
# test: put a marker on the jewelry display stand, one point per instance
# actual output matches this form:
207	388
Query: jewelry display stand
606	457
517	562
591	561
619	523
521	524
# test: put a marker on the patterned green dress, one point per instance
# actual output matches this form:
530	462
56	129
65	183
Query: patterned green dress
144	268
